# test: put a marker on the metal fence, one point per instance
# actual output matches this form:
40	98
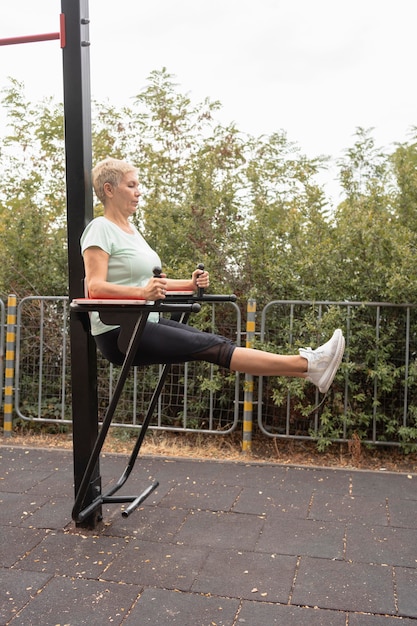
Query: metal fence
374	395
42	370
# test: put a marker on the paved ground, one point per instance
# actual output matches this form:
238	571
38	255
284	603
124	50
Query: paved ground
218	544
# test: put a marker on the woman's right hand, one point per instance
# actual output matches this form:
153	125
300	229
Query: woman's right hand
156	288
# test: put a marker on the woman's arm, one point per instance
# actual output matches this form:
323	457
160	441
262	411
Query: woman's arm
96	265
198	279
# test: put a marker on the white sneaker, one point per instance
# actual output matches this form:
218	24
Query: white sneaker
324	361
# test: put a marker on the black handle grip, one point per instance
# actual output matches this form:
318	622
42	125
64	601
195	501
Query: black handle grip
200	290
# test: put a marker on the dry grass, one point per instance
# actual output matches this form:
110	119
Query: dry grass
228	447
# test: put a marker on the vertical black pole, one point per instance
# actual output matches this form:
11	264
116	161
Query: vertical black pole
77	111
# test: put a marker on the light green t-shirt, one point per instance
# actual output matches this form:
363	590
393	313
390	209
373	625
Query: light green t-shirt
131	259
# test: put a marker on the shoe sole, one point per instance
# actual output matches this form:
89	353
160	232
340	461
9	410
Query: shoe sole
327	378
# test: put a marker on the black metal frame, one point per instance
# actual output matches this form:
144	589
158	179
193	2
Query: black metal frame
78	162
132	319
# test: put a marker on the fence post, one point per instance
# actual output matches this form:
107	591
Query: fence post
9	369
248	396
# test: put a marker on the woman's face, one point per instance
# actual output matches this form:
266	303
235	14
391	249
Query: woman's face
125	197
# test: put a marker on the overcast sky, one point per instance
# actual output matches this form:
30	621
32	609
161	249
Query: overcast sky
316	69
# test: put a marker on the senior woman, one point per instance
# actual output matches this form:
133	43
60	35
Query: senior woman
118	264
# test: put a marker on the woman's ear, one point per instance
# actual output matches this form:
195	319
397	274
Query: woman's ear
108	189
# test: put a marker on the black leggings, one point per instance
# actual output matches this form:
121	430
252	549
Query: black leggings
170	342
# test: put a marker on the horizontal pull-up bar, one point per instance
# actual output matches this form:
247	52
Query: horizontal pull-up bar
9	41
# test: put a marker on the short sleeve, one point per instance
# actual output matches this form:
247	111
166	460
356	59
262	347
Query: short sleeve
96	234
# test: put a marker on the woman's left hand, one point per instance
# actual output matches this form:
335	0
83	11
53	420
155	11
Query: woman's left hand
201	278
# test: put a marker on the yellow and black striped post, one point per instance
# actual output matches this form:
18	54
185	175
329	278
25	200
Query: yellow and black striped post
9	369
248	396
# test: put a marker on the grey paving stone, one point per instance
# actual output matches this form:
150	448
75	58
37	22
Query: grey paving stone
382	545
72	555
220	530
147	523
398	485
234	473
21	480
16	542
275	502
406	582
181	471
303	538
21	457
162	565
159	607
257	614
16	507
78	602
202	496
345	586
239	574
344	508
253	475
59	484
54	514
17	588
402	513
361	619
317	479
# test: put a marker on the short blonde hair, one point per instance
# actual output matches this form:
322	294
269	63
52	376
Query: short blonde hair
109	171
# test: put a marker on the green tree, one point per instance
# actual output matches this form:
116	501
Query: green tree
366	252
287	236
189	167
404	164
32	197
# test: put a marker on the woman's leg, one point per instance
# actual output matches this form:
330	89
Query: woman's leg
318	366
170	342
259	363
